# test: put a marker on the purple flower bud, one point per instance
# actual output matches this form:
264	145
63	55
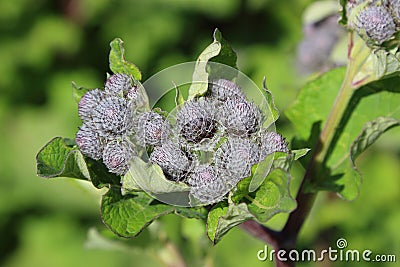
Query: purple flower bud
172	160
206	185
235	158
89	142
88	103
271	142
152	129
239	117
118	84
222	89
196	120
113	116
117	155
375	23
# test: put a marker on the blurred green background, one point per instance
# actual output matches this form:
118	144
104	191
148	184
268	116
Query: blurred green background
44	45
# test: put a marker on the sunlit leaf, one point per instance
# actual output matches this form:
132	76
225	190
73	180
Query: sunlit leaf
224	217
128	215
118	64
219	51
271	197
380	98
61	158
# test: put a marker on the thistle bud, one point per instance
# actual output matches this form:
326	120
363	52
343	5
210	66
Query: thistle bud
89	142
235	158
206	186
118	84
223	89
117	155
152	129
172	160
375	24
196	120
113	116
271	142
239	117
88	103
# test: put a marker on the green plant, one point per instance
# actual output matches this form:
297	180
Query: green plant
346	101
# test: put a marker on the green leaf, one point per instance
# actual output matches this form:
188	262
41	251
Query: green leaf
61	158
386	63
299	153
376	99
372	130
272	197
219	51
273	110
179	100
150	178
118	64
314	101
259	172
224	217
78	92
100	176
129	184
128	215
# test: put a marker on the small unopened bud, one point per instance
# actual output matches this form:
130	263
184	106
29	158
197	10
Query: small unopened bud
118	84
88	103
172	160
89	142
223	89
235	157
394	8
117	155
206	185
239	117
271	142
114	115
152	129
375	23
196	120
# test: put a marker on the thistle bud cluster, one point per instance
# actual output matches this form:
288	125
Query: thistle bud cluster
108	121
376	21
211	145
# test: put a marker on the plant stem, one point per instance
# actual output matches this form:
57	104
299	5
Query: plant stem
286	239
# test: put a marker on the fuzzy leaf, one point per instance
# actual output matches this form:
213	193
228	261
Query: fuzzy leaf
379	98
128	215
271	197
386	63
224	217
372	130
118	64
220	52
61	158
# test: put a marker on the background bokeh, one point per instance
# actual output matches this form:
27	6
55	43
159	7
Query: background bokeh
44	45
